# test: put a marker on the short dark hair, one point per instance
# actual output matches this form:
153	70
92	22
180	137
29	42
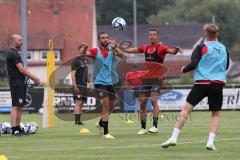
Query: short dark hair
80	46
154	29
100	33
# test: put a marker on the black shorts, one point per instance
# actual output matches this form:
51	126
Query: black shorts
82	95
214	92
146	90
106	91
18	94
154	85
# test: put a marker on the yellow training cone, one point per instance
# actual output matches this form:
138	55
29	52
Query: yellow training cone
130	122
84	130
2	157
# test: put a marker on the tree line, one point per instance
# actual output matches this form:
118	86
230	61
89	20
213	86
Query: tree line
223	12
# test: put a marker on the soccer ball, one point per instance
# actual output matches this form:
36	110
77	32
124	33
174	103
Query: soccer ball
40	111
6	128
22	126
29	83
118	23
30	128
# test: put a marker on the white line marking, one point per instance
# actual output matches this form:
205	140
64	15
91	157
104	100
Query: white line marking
116	147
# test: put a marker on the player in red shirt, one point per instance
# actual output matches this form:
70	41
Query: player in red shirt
154	52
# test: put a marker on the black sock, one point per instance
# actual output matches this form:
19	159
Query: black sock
77	118
105	127
100	123
19	129
14	129
143	124
155	121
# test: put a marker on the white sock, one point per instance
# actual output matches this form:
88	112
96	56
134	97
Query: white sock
211	138
175	133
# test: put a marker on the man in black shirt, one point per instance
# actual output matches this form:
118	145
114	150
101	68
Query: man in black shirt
79	76
17	73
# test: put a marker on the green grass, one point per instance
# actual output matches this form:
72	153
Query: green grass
64	142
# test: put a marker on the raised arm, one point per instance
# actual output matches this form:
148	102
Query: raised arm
174	50
116	50
195	58
85	52
131	50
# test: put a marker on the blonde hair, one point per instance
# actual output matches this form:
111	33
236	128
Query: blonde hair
211	30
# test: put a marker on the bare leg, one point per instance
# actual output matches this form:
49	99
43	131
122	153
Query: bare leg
19	115
13	116
105	109
143	107
16	113
181	120
78	107
143	110
78	111
112	104
155	111
213	127
178	126
214	122
154	100
105	114
183	115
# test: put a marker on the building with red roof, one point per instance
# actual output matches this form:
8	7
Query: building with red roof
66	22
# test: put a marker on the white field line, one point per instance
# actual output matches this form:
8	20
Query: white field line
119	147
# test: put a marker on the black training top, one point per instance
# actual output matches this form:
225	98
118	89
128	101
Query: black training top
14	76
80	65
153	57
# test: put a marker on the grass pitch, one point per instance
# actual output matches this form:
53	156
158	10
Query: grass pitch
64	141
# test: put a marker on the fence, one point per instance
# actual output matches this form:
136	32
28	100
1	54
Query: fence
168	100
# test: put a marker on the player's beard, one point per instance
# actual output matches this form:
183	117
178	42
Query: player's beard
18	47
105	44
